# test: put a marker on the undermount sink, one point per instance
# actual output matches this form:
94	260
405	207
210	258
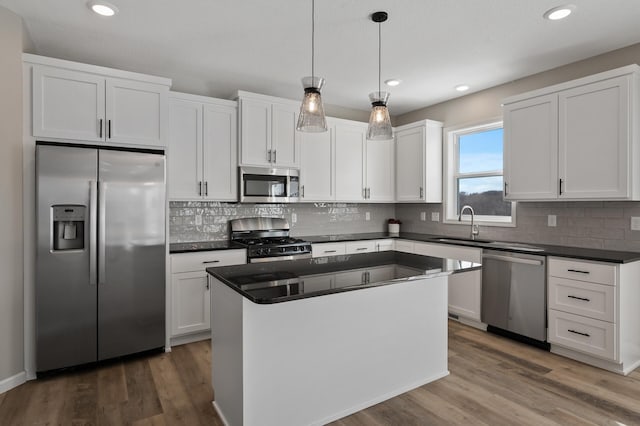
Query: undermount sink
490	244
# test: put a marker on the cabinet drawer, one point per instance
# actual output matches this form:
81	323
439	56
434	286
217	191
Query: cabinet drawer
327	249
186	262
384	245
403	246
583	334
584	271
582	298
355	247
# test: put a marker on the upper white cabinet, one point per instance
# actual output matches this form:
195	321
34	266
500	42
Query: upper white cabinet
575	141
268	135
202	161
79	102
342	165
317	166
418	161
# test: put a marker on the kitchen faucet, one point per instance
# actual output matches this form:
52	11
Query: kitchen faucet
474	228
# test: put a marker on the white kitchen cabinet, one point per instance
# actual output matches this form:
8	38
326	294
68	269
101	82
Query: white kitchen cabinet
350	146
593	313
364	170
575	141
268	135
465	288
362	246
79	102
317	166
202	160
418	162
190	297
384	245
327	249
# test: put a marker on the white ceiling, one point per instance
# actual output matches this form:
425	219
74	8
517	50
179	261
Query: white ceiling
214	48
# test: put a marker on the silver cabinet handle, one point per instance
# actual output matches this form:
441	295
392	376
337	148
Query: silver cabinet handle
361	248
200	188
274	156
421	192
207	282
512	259
302	191
210	261
206	189
102	264
329	251
100	128
269	155
505	189
109	132
578	271
93	225
364	193
560	186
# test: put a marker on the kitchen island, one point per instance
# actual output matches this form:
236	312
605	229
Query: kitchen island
313	340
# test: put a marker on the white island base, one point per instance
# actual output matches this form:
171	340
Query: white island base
315	360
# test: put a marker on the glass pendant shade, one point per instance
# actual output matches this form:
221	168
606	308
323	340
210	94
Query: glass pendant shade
379	120
311	118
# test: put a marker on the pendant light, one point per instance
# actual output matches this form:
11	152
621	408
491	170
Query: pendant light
379	121
311	118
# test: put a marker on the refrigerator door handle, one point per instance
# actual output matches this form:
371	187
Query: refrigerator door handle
93	226
102	265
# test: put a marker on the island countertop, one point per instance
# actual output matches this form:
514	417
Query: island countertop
283	281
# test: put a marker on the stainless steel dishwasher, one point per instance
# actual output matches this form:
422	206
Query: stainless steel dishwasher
514	291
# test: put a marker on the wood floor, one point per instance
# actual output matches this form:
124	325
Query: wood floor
493	381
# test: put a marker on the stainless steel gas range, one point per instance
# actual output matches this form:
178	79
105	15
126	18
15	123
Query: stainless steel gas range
267	239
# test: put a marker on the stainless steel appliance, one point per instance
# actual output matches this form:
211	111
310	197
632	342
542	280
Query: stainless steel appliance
265	185
267	239
100	261
514	295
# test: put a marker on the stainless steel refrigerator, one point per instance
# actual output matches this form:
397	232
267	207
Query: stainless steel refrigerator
100	261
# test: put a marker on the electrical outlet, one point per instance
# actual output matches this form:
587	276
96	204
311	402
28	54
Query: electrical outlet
635	223
294	218
551	220
367	216
423	216
435	216
198	219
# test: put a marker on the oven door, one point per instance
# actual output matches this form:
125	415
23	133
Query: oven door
263	185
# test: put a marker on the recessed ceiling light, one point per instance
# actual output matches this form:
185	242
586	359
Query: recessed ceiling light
559	12
392	82
103	8
462	87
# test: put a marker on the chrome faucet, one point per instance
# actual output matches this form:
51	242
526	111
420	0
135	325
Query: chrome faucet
474	228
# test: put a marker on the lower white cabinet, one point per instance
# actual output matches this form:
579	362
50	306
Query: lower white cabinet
465	288
190	298
593	312
351	247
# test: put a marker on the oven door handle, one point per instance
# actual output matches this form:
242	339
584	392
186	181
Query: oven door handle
512	259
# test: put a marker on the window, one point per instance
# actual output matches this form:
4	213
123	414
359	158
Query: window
474	175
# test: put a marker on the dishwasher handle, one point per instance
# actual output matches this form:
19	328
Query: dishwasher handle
513	259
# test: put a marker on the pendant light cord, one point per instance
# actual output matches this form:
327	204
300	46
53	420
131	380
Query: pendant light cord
379	55
313	33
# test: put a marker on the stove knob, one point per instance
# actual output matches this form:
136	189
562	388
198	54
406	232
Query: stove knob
295	248
282	249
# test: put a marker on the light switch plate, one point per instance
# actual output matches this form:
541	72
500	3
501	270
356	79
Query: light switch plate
635	223
423	216
435	216
367	216
551	220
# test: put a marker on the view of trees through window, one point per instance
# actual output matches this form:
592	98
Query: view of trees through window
479	180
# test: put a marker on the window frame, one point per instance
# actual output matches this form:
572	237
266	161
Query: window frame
451	175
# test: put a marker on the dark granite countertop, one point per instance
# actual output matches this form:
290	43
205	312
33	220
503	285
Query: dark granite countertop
275	282
203	246
545	249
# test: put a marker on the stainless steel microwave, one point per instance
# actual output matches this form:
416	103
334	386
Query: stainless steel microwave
265	185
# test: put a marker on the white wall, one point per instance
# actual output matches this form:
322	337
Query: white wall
11	242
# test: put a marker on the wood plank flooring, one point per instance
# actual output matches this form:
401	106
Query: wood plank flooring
493	381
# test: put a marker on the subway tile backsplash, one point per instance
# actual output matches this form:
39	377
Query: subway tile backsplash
191	221
592	224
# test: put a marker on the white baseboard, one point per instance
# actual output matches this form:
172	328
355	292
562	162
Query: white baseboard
190	338
13	381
